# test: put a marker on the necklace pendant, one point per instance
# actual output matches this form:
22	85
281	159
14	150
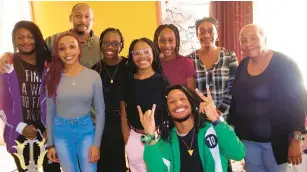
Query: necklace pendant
73	83
111	81
191	152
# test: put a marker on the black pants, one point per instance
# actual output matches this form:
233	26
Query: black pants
112	149
47	167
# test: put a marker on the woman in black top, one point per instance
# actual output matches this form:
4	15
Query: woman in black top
267	108
112	69
145	86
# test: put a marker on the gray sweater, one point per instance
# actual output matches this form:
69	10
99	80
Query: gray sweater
73	100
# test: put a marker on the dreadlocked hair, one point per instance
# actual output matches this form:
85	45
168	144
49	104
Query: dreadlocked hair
156	64
206	19
56	67
41	49
166	121
174	29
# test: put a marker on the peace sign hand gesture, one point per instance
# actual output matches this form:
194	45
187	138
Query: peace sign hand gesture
207	106
148	119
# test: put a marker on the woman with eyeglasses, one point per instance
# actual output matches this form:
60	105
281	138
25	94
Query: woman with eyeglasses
112	69
178	69
145	86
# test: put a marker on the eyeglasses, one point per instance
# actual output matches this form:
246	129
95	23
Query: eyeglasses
114	44
138	53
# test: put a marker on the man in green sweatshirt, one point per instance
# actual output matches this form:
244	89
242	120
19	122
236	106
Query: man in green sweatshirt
193	135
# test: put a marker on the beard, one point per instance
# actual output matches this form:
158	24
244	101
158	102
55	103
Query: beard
78	32
27	53
182	119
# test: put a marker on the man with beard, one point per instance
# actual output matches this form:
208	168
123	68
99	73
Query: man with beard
82	19
199	141
22	105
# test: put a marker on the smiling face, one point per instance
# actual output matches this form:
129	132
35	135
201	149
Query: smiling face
179	106
82	19
142	55
252	41
24	41
111	45
167	42
68	50
207	34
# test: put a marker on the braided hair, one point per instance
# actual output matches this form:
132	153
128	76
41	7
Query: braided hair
156	64
174	29
166	121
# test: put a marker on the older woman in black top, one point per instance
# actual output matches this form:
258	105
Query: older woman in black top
267	108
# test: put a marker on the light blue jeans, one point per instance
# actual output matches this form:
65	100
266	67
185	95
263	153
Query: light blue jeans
72	139
260	158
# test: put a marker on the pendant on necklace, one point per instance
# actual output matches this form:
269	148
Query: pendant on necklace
111	81
191	152
73	83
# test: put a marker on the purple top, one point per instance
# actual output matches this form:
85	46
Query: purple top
11	107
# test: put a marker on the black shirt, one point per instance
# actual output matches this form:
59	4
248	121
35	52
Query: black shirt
144	93
189	163
111	91
29	83
254	103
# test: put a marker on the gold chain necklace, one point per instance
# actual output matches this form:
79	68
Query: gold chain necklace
111	78
190	150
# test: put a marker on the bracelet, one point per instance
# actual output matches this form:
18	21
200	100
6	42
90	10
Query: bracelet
49	147
147	138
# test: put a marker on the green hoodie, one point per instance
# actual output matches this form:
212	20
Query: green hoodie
216	146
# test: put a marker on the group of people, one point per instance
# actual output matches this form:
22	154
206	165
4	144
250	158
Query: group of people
165	111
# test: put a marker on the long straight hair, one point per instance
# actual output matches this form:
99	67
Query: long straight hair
56	67
41	49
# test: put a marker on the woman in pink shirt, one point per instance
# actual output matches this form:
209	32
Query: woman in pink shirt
177	69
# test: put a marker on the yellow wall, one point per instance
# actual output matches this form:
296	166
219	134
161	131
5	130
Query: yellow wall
134	19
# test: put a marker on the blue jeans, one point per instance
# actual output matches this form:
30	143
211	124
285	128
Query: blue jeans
72	139
260	158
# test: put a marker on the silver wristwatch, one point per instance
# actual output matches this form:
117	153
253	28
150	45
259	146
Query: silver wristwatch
297	136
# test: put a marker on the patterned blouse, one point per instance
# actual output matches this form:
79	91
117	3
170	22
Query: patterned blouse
219	78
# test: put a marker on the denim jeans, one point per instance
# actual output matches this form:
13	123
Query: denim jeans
73	138
260	158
